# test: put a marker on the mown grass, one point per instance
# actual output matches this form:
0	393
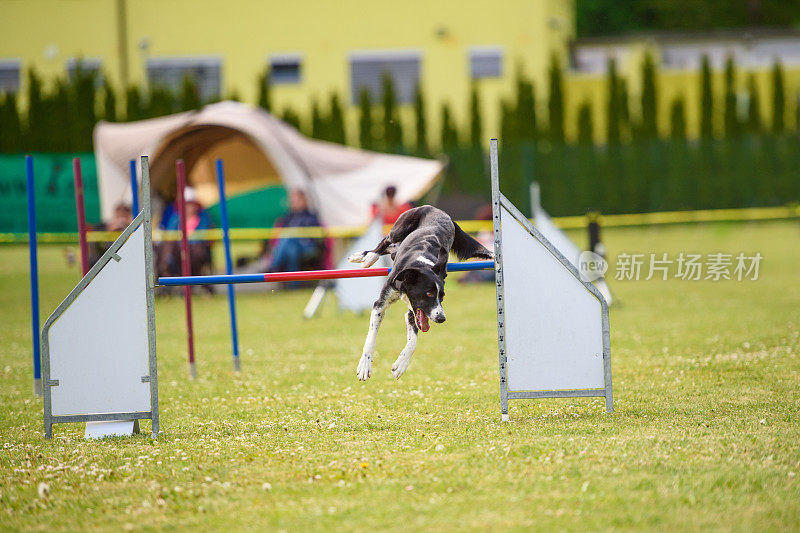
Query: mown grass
704	435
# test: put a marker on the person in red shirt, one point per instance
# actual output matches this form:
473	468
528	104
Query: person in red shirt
168	253
388	209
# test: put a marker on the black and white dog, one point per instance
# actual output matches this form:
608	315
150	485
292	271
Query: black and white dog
419	243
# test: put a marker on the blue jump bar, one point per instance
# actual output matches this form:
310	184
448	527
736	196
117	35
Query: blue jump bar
227	279
470	265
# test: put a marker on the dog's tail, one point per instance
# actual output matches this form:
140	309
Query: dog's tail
465	247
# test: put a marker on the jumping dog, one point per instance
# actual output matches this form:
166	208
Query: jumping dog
419	243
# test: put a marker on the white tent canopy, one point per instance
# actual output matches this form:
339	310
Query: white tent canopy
258	150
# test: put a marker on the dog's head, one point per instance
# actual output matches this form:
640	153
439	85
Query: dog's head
424	288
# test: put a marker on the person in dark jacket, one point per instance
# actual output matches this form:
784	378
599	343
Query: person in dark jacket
290	253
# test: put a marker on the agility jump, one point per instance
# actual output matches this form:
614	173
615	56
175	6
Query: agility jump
553	328
306	275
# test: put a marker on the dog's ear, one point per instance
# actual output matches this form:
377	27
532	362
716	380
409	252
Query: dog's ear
405	276
440	268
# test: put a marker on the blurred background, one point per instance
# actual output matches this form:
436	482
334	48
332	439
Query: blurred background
618	107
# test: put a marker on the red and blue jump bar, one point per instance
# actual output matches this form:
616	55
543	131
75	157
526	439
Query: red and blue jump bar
306	275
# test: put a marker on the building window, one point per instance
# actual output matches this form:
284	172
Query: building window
367	71
169	73
9	76
594	59
89	67
485	63
284	69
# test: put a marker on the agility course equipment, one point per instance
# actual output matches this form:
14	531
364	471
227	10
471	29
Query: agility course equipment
134	188
98	346
181	186
99	356
180	173
304	275
552	327
358	295
186	269
99	352
354	294
81	212
559	239
226	239
34	276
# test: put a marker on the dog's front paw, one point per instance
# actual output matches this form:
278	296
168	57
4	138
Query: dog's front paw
356	257
370	259
364	369
400	366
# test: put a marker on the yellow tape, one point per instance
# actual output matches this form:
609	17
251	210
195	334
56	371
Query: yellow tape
682	217
470	226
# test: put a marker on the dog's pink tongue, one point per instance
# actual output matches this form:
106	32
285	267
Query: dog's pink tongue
422	320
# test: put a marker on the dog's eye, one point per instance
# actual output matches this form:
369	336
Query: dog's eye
430	294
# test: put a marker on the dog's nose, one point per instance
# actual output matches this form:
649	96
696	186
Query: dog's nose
439	318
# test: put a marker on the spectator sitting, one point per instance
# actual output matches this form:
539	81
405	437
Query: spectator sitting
196	217
121	219
293	253
169	212
388	209
168	256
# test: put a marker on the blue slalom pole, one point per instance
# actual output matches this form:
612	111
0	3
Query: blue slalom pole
134	189
37	368
223	215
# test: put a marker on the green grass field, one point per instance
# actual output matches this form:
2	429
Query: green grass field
704	435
